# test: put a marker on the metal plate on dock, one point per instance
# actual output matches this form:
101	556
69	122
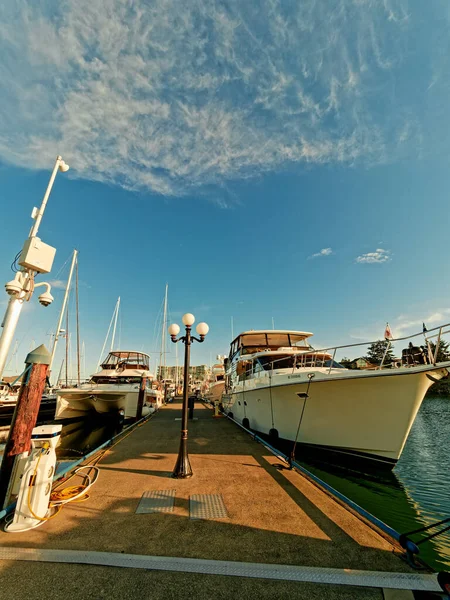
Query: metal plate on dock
207	506
371	579
156	501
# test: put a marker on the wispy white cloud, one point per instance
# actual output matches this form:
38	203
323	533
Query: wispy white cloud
323	252
406	324
402	325
172	96
58	283
379	256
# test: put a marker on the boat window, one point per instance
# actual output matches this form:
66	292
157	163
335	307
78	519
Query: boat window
255	339
257	368
115	380
298	340
277	340
235	347
254	342
276	362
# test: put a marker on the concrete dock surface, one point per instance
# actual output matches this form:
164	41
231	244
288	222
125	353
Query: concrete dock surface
274	516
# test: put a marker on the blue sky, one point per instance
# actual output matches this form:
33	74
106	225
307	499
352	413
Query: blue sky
270	159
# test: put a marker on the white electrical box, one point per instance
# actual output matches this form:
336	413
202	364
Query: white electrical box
37	256
33	478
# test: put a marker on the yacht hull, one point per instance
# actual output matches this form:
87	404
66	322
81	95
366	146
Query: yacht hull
77	402
215	391
366	415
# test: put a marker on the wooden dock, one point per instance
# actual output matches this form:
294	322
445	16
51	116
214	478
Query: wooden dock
273	516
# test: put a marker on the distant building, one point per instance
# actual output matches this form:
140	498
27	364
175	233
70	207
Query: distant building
197	374
169	373
361	363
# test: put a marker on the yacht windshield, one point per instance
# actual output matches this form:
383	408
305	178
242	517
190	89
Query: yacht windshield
130	360
290	361
276	362
115	380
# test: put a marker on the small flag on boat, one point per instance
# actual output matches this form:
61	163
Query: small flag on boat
388	333
424	330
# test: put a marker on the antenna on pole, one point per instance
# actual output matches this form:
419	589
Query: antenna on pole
273	324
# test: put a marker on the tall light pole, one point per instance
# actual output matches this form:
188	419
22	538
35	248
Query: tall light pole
183	467
36	257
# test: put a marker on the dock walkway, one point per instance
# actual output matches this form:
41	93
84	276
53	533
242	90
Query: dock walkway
273	516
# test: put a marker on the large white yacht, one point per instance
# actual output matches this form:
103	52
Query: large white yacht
277	384
216	383
114	388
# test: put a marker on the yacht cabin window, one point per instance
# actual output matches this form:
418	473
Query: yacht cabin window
115	380
288	361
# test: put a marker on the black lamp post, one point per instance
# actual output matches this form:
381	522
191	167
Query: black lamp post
183	467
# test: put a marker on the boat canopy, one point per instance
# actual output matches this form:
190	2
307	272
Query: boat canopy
251	342
126	359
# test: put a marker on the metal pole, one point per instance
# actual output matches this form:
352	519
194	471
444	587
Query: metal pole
183	467
115	325
40	213
163	336
9	325
106	338
15	304
78	324
67	347
25	414
63	308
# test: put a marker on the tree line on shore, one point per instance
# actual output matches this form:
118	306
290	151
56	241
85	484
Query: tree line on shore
379	352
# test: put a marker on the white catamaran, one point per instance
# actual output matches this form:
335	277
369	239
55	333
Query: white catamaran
114	388
277	384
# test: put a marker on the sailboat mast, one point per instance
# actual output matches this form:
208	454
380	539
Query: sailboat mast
58	381
63	309
107	335
83	353
115	325
78	323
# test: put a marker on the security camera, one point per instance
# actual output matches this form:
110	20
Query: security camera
13	287
45	299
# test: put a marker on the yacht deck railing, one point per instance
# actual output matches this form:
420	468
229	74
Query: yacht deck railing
412	355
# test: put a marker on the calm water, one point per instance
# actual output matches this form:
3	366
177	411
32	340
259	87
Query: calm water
417	492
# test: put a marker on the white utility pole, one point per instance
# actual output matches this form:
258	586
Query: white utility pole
36	257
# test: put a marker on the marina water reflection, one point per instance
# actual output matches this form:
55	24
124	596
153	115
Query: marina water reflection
416	492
